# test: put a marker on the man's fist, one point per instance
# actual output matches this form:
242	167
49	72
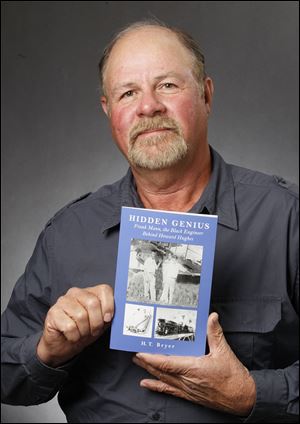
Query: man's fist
75	321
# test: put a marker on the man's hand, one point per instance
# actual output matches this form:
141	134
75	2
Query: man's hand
75	321
217	380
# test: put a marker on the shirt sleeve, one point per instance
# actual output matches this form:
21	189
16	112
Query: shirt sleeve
26	380
277	391
277	395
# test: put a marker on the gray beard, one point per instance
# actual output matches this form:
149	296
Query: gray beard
158	151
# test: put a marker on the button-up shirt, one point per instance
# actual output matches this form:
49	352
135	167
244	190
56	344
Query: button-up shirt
254	290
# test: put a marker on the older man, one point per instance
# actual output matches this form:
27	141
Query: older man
150	267
158	100
171	268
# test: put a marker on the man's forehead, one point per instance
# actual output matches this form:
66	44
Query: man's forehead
146	41
156	49
150	33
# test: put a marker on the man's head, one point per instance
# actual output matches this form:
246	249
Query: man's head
156	95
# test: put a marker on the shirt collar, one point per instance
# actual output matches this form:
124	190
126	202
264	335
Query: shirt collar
126	196
217	199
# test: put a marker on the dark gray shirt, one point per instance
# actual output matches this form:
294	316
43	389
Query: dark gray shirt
255	291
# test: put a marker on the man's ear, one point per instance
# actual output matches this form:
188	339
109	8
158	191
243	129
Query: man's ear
208	93
105	105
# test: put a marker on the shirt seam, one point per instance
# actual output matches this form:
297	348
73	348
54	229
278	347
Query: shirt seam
51	258
271	187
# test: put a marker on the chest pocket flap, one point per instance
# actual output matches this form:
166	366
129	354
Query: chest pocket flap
259	315
249	326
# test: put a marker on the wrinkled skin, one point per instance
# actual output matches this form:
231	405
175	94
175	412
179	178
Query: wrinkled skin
217	380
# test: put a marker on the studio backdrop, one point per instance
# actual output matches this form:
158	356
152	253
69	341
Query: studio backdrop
56	142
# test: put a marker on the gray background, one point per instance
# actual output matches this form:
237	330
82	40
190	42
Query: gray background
56	141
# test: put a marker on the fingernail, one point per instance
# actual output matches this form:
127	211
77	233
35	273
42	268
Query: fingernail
141	355
107	317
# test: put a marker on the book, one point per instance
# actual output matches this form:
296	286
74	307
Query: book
163	281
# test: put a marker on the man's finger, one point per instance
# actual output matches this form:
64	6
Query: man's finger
92	304
106	296
164	377
77	312
162	387
156	372
169	364
215	336
62	323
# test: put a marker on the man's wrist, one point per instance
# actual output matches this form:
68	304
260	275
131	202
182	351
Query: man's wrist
45	357
249	397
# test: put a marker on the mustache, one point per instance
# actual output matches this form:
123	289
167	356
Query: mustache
155	123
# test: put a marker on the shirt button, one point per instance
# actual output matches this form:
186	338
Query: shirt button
155	416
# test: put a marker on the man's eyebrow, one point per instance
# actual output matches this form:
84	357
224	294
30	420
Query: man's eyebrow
124	86
168	75
129	84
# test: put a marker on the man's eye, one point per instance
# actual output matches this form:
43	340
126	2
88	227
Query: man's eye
169	85
128	93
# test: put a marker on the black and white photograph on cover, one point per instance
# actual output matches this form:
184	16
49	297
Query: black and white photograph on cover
164	273
175	324
138	320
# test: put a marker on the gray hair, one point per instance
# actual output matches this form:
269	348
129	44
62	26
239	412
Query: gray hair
185	39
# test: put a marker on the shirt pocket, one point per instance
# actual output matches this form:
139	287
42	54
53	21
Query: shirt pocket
249	327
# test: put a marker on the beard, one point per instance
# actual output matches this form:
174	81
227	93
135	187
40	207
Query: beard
157	151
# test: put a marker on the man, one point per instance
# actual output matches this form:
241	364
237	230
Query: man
150	267
55	339
170	272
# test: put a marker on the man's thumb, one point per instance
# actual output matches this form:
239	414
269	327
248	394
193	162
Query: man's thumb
215	336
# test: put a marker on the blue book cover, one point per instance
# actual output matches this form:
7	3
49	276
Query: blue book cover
163	281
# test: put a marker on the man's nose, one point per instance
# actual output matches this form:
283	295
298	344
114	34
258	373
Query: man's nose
150	105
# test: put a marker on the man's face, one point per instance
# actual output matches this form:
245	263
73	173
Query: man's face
157	111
